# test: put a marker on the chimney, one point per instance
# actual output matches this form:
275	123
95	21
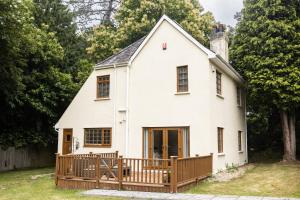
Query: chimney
219	41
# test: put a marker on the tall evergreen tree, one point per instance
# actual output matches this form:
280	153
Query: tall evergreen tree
266	50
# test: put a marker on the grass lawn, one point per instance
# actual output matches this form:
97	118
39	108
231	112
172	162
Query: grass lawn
277	179
18	185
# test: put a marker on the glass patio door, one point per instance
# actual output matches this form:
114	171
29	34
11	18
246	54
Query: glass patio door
162	143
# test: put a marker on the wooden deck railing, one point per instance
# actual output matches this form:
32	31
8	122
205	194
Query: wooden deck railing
112	171
193	169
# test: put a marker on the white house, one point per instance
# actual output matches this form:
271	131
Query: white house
164	95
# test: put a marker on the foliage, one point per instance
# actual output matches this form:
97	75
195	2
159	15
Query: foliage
134	19
15	25
59	20
266	51
40	54
91	12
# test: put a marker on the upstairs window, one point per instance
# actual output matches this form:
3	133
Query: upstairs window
239	96
103	86
240	140
219	82
182	79
220	140
97	137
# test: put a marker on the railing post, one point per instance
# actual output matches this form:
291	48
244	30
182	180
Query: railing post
212	161
120	171
173	184
56	167
97	168
117	154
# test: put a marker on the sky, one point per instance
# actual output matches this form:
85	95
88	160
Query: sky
223	10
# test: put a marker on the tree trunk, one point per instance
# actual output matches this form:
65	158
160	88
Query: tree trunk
108	13
289	136
293	135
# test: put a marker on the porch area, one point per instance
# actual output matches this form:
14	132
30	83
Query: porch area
112	171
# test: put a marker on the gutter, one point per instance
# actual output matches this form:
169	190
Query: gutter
219	61
123	64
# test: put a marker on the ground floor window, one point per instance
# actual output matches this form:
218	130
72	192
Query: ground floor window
220	140
162	143
97	137
240	140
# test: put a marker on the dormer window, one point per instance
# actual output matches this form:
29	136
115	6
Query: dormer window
103	86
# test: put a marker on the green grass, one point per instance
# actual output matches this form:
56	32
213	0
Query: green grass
18	185
277	179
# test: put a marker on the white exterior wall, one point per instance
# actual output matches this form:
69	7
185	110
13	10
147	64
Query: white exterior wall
228	115
153	86
86	111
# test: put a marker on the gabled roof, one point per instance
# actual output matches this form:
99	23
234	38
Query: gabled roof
128	54
122	56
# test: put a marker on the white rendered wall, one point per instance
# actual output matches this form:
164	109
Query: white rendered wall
86	111
228	115
153	99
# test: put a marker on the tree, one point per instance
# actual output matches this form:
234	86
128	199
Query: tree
14	26
134	19
266	51
40	55
91	12
59	20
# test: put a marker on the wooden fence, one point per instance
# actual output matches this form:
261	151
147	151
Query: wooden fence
110	171
31	156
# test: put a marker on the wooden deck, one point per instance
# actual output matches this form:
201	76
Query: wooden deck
110	171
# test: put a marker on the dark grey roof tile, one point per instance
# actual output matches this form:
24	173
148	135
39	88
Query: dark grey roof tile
122	56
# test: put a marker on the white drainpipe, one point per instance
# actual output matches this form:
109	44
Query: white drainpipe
246	130
115	102
127	112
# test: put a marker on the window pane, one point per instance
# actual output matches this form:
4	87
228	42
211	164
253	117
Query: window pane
103	86
106	135
219	82
182	79
240	140
220	140
97	136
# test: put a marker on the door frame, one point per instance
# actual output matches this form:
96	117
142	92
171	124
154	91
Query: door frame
165	140
65	132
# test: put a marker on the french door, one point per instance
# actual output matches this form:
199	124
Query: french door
162	143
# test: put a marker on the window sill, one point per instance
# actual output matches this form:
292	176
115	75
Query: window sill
102	99
240	151
97	146
182	93
220	96
221	154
